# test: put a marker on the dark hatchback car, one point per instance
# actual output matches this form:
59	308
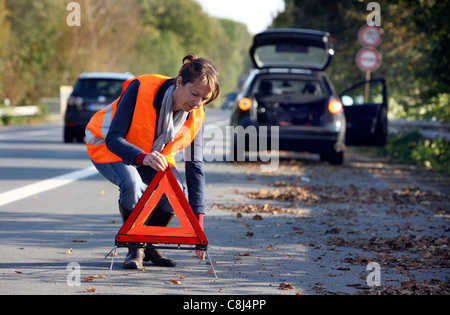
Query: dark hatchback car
289	89
91	93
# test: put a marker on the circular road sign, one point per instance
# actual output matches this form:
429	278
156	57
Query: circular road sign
368	59
370	36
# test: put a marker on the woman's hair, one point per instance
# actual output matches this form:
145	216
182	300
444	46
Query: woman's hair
195	68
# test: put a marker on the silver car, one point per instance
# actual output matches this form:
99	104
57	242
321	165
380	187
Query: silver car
288	89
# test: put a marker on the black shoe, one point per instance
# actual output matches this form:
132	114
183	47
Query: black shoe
156	256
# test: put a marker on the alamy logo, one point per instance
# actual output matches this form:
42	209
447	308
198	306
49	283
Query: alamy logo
74	17
74	277
374	278
261	142
374	17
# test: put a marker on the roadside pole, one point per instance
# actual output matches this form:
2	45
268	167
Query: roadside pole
368	59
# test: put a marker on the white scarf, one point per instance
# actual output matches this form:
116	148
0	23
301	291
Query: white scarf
169	123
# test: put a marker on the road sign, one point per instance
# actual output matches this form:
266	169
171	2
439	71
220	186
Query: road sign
368	59
370	36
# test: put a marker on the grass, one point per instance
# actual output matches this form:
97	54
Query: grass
412	148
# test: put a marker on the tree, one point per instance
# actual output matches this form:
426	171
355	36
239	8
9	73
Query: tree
105	40
173	28
39	51
414	51
5	26
31	48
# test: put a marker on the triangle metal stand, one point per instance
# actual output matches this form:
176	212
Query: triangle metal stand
179	247
130	234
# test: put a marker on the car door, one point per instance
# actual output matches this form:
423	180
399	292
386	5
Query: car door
365	108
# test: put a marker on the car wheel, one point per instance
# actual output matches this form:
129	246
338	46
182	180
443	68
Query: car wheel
333	157
68	136
80	138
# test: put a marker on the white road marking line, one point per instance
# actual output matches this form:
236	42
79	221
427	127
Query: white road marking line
52	183
48	184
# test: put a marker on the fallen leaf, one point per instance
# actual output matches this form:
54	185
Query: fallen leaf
111	254
175	281
69	251
257	217
88	279
90	290
333	231
286	286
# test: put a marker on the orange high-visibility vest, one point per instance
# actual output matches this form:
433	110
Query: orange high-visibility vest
143	125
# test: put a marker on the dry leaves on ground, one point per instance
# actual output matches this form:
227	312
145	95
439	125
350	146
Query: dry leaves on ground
404	253
286	286
410	287
291	192
249	208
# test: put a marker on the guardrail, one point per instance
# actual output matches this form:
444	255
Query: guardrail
427	129
20	111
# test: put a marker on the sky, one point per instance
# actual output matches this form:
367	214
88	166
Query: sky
256	14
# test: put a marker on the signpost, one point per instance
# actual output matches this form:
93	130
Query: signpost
368	59
370	36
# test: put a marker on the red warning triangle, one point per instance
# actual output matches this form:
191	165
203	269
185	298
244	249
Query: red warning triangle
134	229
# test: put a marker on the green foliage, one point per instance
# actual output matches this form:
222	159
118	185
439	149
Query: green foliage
30	48
415	59
412	148
170	29
39	51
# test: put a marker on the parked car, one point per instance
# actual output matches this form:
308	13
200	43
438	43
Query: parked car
91	93
228	100
289	89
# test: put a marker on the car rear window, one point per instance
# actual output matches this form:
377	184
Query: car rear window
93	88
271	86
291	55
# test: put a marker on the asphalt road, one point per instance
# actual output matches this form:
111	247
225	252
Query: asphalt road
305	228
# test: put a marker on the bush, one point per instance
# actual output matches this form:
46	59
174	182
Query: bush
412	148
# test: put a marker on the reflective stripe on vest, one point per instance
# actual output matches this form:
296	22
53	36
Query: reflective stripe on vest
104	128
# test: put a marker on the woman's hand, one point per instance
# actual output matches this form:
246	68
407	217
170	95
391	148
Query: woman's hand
156	160
200	253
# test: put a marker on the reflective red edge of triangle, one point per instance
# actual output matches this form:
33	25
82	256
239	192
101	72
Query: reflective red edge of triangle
123	236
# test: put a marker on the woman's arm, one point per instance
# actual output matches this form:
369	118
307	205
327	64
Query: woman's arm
195	173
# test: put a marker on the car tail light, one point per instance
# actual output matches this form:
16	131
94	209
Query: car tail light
75	101
245	103
334	106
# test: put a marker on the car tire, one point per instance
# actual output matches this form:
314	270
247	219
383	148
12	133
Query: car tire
80	138
333	157
68	136
380	137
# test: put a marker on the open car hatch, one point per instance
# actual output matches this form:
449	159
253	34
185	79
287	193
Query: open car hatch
292	48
